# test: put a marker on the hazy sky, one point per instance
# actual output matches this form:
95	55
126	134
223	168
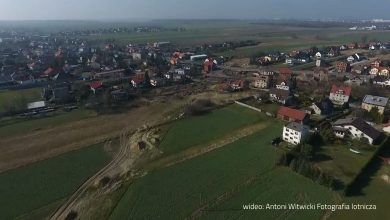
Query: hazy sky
187	9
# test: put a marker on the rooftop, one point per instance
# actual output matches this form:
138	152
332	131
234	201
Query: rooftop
376	100
296	126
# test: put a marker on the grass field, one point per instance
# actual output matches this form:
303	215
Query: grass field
9	96
377	193
341	163
16	126
38	188
202	129
281	186
179	190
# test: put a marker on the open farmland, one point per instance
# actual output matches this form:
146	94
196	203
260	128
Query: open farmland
202	129
273	37
183	189
281	186
16	126
38	188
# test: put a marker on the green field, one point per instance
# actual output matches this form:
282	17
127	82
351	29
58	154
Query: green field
281	186
16	126
202	129
178	190
377	193
37	189
10	96
341	163
273	37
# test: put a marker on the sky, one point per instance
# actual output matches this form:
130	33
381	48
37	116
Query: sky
191	9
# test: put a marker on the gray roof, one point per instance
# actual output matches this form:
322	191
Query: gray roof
376	100
296	126
360	124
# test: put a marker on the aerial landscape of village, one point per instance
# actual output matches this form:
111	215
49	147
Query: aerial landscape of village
193	113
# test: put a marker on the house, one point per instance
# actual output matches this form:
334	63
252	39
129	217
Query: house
318	55
324	107
343	67
340	95
386	127
261	82
354	81
356	128
295	133
384	71
376	63
157	82
237	85
281	96
370	102
374	71
292	115
139	79
112	74
351	46
209	65
95	86
382	81
285	73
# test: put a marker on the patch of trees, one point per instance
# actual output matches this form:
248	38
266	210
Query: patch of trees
198	107
301	160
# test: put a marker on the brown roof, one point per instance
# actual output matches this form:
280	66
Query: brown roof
292	113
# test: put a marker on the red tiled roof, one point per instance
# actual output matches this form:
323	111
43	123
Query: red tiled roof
345	89
96	85
285	71
292	113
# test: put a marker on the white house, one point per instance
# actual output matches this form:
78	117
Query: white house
283	86
318	55
340	95
356	128
294	133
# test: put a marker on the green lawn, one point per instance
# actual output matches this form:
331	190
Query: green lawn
341	163
376	193
175	192
10	96
202	129
16	126
35	188
281	186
